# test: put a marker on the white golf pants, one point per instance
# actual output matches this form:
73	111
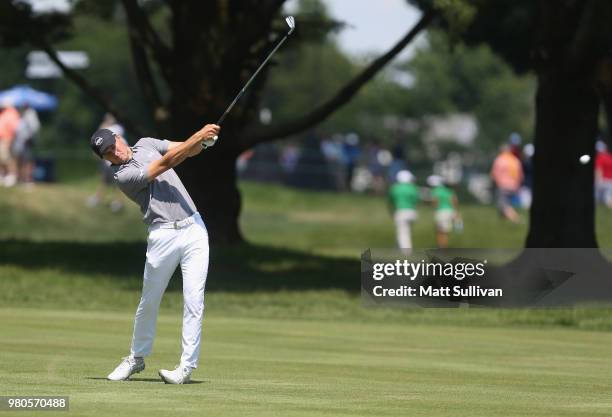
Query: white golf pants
169	244
403	218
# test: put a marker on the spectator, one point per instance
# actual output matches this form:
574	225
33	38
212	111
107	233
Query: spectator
288	158
404	196
446	207
310	167
9	120
603	175
507	174
351	153
515	140
22	148
398	162
376	167
332	150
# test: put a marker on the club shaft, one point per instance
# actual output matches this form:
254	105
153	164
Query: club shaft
241	93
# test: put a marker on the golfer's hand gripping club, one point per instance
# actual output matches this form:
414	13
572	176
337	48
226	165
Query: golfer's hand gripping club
210	142
210	133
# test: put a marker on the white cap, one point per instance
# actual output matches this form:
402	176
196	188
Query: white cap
434	180
404	176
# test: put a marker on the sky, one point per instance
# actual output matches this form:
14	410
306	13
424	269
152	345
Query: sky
373	25
46	5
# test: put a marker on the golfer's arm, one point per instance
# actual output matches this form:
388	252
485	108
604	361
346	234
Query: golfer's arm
195	150
177	152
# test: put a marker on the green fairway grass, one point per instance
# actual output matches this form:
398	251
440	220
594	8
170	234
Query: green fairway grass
286	333
281	367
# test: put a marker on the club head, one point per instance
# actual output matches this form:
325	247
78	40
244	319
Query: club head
291	23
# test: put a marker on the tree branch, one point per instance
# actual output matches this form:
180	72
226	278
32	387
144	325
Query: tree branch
89	89
583	36
142	30
144	74
342	97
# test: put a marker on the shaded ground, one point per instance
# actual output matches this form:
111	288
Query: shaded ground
240	268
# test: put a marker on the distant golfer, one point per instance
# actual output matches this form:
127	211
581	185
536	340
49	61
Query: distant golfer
177	234
446	205
404	196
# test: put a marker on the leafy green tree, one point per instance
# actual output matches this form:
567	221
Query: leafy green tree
190	58
567	44
453	77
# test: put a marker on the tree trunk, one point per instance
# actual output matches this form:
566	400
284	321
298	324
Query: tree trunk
210	177
210	62
211	181
563	210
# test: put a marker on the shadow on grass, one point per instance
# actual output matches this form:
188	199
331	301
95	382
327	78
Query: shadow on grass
238	268
156	380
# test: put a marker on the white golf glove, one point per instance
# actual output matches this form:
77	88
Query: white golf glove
209	142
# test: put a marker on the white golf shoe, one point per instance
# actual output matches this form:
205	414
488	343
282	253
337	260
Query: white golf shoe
180	375
128	366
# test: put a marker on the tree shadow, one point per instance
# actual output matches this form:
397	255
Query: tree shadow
157	380
238	268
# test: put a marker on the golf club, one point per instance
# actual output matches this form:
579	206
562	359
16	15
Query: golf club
291	23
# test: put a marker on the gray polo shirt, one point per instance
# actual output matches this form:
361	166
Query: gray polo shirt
162	200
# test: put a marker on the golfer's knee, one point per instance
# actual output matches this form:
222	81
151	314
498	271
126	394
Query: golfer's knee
149	304
194	307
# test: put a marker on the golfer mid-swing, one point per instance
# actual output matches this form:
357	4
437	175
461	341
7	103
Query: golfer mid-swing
177	234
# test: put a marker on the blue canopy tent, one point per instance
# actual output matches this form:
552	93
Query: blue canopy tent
22	95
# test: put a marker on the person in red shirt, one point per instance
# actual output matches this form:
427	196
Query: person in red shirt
603	175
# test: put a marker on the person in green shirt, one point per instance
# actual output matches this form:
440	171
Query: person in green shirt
446	205
404	196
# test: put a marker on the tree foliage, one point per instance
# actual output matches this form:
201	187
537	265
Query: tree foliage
567	43
455	77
